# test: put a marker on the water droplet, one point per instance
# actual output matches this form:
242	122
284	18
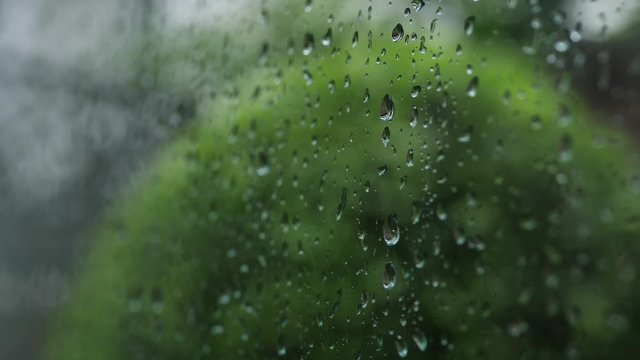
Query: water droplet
389	276
263	165
342	205
432	27
562	45
364	299
354	39
415	91
401	347
308	44
386	136
441	213
282	347
403	181
397	33
365	99
347	81
410	158
469	24
417	212
386	108
423	47
420	258
565	118
417	4
382	170
308	78
472	88
421	340
326	39
413	117
391	230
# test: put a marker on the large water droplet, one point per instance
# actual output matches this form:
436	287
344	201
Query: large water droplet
397	33
391	230
389	276
386	108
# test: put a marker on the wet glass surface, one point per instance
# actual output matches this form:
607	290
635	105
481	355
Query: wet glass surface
319	179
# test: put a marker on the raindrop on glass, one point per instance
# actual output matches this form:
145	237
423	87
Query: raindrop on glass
386	108
391	230
397	33
469	24
389	276
472	88
386	136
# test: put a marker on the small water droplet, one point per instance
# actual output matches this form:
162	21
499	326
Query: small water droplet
354	39
263	165
432	27
382	170
472	88
347	81
365	98
403	181
282	347
416	215
417	4
562	45
386	136
441	213
413	117
469	24
401	347
415	91
342	205
308	44
565	118
391	230
410	158
389	276
364	299
397	33
308	78
326	39
421	340
386	108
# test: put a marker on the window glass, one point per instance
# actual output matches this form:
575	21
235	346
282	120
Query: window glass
366	179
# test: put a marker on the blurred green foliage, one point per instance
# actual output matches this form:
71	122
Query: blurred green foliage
258	232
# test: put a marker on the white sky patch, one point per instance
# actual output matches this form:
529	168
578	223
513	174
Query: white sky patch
615	15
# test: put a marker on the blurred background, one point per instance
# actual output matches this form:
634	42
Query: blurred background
73	130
